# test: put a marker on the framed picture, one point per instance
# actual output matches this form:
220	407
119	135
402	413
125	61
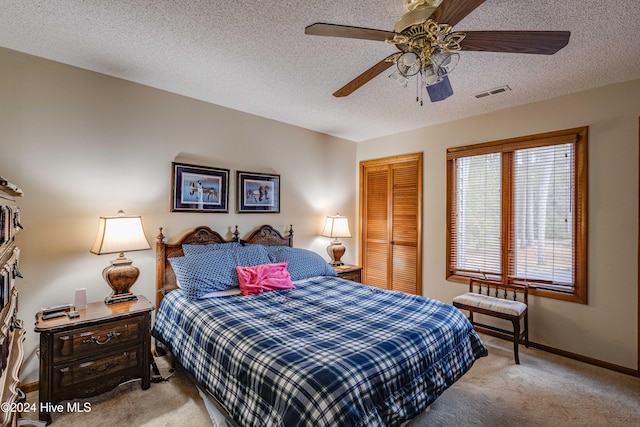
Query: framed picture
199	188
258	192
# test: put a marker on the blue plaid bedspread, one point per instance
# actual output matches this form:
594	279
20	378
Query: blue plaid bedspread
329	353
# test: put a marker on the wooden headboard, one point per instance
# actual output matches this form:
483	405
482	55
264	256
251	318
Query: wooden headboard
203	235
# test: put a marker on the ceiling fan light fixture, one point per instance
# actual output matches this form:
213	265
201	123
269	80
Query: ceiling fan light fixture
399	78
440	91
445	61
409	64
430	75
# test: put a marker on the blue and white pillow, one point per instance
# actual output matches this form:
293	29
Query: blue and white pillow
215	270
302	263
193	249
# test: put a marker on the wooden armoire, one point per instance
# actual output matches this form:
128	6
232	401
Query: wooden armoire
11	328
391	223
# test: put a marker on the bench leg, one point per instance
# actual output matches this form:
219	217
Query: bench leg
516	339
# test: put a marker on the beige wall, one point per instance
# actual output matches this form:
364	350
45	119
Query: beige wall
606	328
82	144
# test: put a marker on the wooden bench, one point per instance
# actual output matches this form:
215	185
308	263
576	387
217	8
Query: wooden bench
504	301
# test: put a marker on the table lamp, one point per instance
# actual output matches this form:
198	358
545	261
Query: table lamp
336	226
120	234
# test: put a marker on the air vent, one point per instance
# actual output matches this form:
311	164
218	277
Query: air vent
490	92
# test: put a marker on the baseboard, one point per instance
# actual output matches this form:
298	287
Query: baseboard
569	355
585	359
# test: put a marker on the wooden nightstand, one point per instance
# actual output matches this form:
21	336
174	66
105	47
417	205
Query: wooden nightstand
349	272
91	354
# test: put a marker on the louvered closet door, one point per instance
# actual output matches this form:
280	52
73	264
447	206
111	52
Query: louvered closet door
375	256
391	209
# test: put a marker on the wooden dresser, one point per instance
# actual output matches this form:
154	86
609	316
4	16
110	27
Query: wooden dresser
105	346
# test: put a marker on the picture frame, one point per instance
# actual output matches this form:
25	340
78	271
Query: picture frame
199	188
257	192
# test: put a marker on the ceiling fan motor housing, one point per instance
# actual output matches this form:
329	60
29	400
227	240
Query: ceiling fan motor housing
416	4
413	17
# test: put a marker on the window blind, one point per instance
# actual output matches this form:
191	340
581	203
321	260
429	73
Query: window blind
477	243
542	235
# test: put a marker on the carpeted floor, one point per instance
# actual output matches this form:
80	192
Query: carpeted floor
166	404
544	390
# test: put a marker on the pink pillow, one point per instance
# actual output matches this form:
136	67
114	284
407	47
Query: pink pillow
264	278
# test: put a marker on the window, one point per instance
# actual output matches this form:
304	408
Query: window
517	213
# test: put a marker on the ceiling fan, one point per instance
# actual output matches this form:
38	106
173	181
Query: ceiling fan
428	45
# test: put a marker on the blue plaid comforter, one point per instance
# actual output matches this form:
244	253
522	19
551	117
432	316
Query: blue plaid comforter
329	353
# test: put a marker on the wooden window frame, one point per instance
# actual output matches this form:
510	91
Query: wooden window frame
577	136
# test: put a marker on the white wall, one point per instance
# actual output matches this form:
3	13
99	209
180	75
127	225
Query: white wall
82	145
606	328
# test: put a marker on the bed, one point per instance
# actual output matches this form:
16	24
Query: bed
323	352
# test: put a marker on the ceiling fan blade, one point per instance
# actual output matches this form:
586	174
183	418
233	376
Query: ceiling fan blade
334	30
363	78
536	42
453	11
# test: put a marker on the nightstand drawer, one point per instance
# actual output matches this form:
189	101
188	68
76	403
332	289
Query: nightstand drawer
349	272
74	375
96	339
354	276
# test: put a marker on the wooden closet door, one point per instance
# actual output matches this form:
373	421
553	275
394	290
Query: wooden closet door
391	221
375	223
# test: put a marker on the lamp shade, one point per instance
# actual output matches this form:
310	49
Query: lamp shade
336	226
119	234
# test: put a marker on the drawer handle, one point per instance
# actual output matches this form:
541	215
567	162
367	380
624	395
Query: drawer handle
96	340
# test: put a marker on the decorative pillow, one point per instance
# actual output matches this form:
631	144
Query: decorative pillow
264	278
215	270
248	256
302	263
192	249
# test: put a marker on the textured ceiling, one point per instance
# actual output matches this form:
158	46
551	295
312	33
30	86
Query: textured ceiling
253	56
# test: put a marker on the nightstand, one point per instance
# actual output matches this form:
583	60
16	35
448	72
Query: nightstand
93	353
349	272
